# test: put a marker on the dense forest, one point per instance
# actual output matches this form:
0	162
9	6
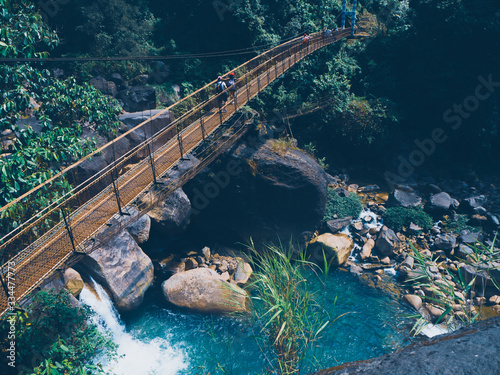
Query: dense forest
418	93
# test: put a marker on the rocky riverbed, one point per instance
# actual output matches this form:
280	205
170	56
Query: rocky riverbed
420	240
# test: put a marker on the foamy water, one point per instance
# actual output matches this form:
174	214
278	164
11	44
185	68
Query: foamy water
135	357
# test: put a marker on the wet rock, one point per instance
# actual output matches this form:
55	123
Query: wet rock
369	188
493	219
190	264
140	229
388	243
367	249
495	300
445	242
242	273
475	202
408	262
337	248
467	237
173	214
73	282
385	261
355	269
463	251
358	226
480	211
405	198
442	202
414	301
123	268
337	225
470	350
434	311
203	290
206	252
482	278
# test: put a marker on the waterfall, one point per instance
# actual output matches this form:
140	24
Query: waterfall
135	356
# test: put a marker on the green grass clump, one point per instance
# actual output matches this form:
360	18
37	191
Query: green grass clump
342	206
457	223
398	217
287	312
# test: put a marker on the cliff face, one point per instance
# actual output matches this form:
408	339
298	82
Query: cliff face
471	350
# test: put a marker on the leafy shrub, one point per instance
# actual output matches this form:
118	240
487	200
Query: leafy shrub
342	206
398	217
457	223
55	335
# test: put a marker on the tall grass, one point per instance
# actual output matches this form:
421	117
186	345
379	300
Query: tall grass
288	313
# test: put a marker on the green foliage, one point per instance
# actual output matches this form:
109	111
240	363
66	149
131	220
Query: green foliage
22	30
457	223
117	27
366	121
63	108
56	337
398	218
342	206
287	311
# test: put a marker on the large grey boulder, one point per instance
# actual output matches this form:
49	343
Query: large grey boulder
475	201
203	290
172	214
335	247
443	202
262	190
140	229
106	87
470	350
446	242
336	225
387	242
122	268
405	198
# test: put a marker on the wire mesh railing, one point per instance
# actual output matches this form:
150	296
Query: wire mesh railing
48	237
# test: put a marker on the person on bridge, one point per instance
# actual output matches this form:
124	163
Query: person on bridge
231	83
220	88
305	40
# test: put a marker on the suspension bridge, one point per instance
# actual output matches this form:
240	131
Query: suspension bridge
61	233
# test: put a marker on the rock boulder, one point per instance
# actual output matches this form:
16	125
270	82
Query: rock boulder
470	350
122	268
73	282
203	290
387	242
336	247
261	190
172	214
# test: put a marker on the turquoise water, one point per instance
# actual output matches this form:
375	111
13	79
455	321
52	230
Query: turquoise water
374	325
